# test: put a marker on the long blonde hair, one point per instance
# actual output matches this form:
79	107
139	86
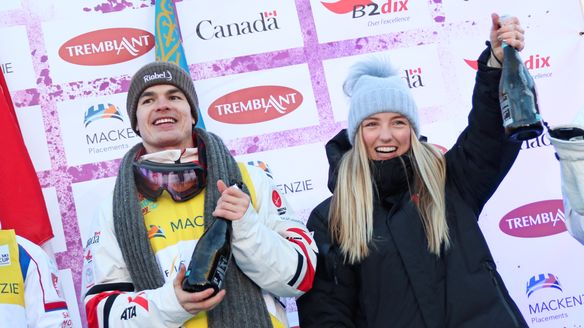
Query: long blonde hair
351	211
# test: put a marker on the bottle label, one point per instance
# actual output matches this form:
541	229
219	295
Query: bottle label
505	109
219	275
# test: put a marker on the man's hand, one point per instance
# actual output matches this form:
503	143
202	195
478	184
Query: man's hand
195	302
232	204
508	30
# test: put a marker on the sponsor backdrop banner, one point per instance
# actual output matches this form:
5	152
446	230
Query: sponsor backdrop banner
269	77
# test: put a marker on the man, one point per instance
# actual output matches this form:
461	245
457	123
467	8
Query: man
30	293
568	141
142	240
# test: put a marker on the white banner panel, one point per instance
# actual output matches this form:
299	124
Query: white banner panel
553	296
341	20
298	173
565	15
259	102
94	47
552	59
96	129
419	67
9	4
16	64
524	224
220	29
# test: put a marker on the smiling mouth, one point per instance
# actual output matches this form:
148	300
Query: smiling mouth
385	150
164	120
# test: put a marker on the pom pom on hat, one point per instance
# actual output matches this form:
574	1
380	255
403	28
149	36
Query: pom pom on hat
375	87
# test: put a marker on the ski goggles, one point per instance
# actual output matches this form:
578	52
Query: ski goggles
182	181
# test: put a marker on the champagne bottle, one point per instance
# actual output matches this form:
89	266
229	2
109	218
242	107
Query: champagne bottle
210	258
518	98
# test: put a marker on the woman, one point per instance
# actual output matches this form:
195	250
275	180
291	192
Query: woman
399	241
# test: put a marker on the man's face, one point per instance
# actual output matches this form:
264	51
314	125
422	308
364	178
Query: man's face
164	119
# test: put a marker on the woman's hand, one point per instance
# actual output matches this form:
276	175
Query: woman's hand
506	30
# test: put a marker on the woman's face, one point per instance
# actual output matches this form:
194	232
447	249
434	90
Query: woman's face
386	135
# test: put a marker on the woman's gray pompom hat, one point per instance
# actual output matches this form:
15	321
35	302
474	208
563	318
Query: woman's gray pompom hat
374	86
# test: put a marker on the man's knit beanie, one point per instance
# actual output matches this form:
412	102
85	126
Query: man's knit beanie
157	73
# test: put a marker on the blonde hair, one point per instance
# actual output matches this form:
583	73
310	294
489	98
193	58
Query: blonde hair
351	211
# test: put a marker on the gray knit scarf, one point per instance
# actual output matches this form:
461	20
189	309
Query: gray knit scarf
243	306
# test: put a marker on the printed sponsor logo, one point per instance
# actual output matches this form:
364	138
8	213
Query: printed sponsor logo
101	111
278	202
263	166
164	75
174	266
542	281
130	312
187	223
140	300
146	204
93	239
99	140
374	9
156	231
365	8
7	68
255	104
292	187
539	219
67	322
88	257
4	255
300	235
296	186
276	198
413	77
472	63
553	304
208	30
541	141
537	61
56	284
537	64
107	46
9	288
345	6
89	279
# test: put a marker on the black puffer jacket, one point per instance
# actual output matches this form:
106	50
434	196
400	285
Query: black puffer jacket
461	288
